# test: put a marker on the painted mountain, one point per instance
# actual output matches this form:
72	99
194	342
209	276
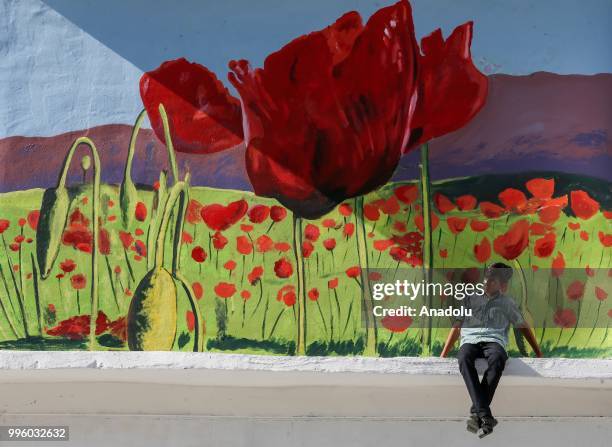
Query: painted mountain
541	122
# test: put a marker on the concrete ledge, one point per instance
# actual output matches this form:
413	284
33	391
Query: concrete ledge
559	368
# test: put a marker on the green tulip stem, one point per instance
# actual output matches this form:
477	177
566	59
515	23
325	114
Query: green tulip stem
169	144
301	287
367	312
179	189
127	174
96	224
427	239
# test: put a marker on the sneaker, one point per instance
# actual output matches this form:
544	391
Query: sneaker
473	423
486	426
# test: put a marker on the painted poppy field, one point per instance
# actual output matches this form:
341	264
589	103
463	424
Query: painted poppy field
239	256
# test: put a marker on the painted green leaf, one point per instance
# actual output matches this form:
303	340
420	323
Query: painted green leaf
53	216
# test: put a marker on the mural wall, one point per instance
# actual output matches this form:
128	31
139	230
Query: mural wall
242	190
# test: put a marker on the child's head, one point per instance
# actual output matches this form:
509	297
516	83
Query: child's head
496	278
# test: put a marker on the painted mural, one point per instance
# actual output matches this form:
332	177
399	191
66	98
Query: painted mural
261	204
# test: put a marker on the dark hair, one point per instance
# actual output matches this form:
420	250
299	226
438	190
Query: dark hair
499	271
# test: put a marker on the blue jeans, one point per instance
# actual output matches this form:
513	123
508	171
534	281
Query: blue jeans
481	393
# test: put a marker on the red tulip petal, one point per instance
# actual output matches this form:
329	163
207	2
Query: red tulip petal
204	117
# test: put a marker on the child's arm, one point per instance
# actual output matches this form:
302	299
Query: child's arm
529	335
453	335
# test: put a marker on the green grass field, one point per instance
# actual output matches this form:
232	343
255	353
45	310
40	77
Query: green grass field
253	320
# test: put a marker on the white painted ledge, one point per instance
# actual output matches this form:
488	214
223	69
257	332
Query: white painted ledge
557	368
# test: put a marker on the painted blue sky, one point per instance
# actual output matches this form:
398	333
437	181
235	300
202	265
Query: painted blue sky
513	36
70	65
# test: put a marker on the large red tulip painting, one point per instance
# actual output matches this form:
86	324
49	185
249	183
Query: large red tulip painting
320	128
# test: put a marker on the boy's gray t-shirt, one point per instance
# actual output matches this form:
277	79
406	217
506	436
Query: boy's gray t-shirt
491	318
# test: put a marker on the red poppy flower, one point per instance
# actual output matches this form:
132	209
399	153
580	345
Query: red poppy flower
138	232
541	188
225	290
466	202
418	221
243	245
198	254
204	117
549	214
198	290
283	268
607	214
329	244
400	226
456	224
218	217
390	206
479	225
104	242
605	239
349	229
67	266
230	265
328	223
193	214
375	276
511	244
491	210
353	272
565	318
407	193
33	217
19	238
451	89
443	203
246	228
287	295
589	271
277	213
190	319
583	206
573	225
140	247
443	253
78	281
140	212
4	224
73	328
482	251
345	209
584	235
282	246
396	323
255	274
539	229
219	241
126	239
186	238
311	232
348	107
575	291
600	294
513	199
307	249
77	233
313	294
264	243
383	244
259	213
545	245
332	283
371	212
117	269
21	222
245	295
558	265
